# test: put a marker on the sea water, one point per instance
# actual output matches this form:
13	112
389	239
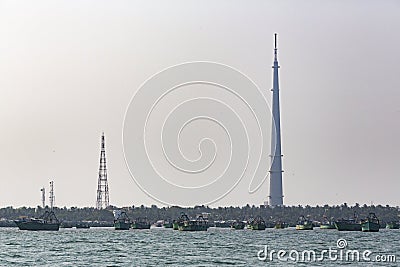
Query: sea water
216	247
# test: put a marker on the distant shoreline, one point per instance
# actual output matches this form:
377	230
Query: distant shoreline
288	214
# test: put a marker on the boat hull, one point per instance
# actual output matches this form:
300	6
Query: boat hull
345	226
327	226
258	227
191	228
304	227
121	225
280	226
238	226
140	226
370	227
37	226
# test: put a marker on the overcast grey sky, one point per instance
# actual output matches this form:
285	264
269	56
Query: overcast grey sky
68	70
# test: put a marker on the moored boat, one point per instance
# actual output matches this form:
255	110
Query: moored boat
238	225
47	222
280	225
141	223
352	224
223	224
304	224
370	224
257	223
327	225
121	221
186	224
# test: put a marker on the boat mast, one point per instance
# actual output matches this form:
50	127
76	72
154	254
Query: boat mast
52	196
43	197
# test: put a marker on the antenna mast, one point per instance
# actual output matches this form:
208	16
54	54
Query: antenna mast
52	196
102	185
43	197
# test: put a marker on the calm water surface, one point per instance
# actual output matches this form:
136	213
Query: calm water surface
165	247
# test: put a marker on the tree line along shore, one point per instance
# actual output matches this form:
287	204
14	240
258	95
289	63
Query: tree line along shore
288	214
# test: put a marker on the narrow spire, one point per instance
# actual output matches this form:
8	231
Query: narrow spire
276	192
276	47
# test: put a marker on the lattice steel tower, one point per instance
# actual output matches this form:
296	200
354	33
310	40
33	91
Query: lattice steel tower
52	197
102	185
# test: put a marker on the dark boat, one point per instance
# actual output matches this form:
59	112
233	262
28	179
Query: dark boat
223	224
370	224
141	223
186	224
238	225
280	225
257	223
304	224
352	224
121	221
47	222
326	223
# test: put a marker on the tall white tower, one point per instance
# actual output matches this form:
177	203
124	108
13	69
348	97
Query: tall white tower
275	186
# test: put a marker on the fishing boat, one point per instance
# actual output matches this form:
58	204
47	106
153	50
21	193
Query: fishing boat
280	225
327	224
141	223
304	224
257	223
121	221
370	224
238	225
223	224
393	225
186	224
47	222
351	224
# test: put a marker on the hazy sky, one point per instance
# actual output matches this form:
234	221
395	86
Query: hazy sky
68	70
